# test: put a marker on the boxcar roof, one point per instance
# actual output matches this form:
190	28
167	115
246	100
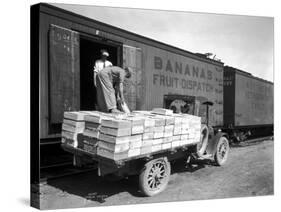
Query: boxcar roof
73	17
244	73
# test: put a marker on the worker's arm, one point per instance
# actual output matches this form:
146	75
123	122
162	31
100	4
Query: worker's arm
120	94
95	77
95	71
119	87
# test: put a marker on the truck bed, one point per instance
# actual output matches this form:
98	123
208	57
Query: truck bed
98	158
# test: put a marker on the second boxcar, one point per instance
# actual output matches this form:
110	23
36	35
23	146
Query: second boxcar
248	104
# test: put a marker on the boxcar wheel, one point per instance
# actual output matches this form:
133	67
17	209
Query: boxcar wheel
154	177
222	151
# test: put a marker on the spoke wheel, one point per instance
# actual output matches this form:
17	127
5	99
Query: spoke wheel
222	151
155	176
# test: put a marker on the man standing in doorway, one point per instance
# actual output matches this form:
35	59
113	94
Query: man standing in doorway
101	64
110	88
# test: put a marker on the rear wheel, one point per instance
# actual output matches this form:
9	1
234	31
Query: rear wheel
222	151
155	176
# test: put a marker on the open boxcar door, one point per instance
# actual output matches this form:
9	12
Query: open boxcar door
134	87
64	72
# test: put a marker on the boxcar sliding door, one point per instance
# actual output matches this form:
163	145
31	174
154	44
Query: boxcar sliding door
64	72
134	87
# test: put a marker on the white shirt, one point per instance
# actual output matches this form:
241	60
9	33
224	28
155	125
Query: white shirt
99	65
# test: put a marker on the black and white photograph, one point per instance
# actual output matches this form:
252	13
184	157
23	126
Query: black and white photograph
135	106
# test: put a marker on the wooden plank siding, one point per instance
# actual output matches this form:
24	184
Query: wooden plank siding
64	72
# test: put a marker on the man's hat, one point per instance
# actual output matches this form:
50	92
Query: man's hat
104	52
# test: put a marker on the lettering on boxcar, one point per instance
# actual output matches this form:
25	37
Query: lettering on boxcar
210	75
178	67
195	71
187	70
166	81
188	76
157	63
227	81
257	94
169	66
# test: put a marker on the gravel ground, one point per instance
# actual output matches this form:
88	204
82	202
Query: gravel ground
248	172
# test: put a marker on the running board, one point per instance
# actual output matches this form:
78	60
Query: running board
206	156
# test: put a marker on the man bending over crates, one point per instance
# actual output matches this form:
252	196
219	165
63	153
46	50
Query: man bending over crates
108	79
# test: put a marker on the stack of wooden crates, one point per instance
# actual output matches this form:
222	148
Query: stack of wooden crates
122	136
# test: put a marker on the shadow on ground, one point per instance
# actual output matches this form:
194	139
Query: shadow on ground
246	144
92	187
180	166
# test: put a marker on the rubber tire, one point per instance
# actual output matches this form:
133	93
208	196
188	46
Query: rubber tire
203	140
218	160
144	173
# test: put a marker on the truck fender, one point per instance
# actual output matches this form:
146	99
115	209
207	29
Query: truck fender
213	141
202	146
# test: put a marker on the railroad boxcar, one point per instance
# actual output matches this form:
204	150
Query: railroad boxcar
248	104
68	44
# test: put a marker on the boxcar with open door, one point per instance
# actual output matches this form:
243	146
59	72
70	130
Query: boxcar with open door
163	75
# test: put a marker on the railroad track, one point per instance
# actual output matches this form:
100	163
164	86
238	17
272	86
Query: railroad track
252	141
60	164
63	170
67	169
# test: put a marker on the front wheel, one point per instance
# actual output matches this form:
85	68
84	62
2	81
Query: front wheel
222	151
155	176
